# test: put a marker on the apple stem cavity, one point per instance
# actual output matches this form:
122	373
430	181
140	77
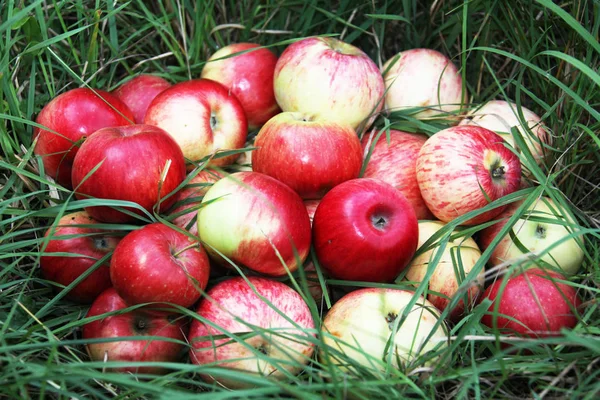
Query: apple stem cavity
178	252
390	318
498	172
540	231
101	243
379	221
140	324
213	120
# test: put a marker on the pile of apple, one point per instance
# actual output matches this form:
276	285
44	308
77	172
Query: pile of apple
374	205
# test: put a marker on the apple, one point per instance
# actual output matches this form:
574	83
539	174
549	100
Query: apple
329	79
539	230
395	163
360	326
500	116
68	119
248	72
255	221
203	117
462	168
278	321
133	323
423	78
159	264
532	303
308	154
138	92
85	245
139	163
457	260
364	230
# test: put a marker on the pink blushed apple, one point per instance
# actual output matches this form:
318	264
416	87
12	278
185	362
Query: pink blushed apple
138	92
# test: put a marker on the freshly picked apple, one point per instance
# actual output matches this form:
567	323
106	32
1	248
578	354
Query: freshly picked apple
139	92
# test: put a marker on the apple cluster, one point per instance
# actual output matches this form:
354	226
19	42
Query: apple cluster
216	221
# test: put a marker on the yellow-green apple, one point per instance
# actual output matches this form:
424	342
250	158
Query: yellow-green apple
394	162
159	264
457	260
247	70
138	92
138	163
74	246
68	119
133	323
463	168
366	326
255	221
532	303
364	230
545	229
329	79
203	117
270	321
500	116
424	79
309	154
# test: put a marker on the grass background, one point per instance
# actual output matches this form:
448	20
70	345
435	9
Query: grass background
539	54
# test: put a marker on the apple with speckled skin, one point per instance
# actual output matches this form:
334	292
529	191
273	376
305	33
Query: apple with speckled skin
69	118
249	75
463	168
308	154
133	323
329	79
75	234
532	303
394	162
156	263
203	117
364	230
283	330
359	327
423	78
138	92
457	260
255	221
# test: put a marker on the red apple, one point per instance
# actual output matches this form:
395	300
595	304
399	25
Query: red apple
76	235
159	264
69	118
133	323
533	303
308	154
463	168
365	230
278	316
138	92
140	163
249	76
395	163
203	117
255	221
329	79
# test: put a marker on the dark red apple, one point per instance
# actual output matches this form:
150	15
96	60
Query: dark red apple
138	92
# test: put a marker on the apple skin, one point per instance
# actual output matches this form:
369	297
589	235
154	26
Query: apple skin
461	168
247	215
361	322
308	154
138	92
133	160
395	163
74	115
423	78
249	76
532	304
536	236
329	79
311	208
159	264
203	116
364	230
90	244
444	279
234	307
133	323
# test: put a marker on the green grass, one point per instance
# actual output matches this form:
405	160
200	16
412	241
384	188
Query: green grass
543	55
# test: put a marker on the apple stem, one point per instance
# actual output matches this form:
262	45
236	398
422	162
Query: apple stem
191	246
